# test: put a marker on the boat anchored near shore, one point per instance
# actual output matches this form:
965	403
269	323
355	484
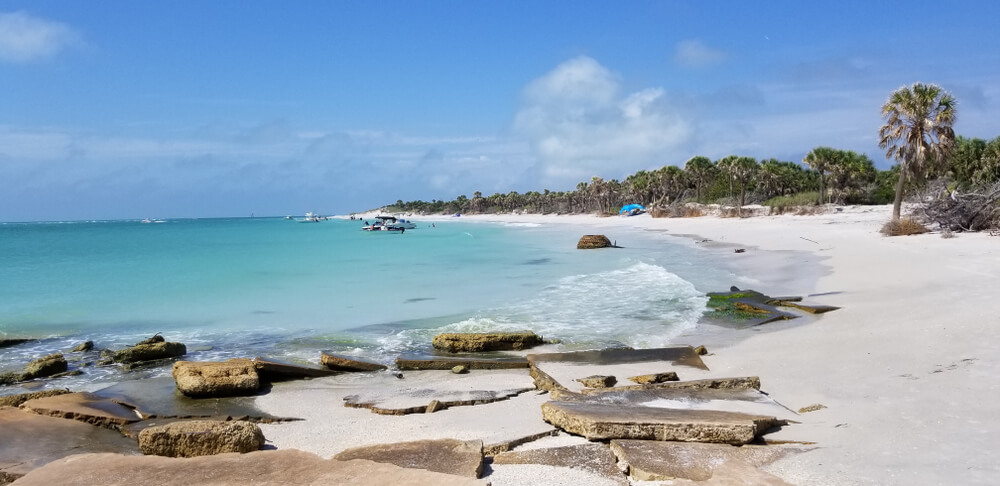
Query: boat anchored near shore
389	223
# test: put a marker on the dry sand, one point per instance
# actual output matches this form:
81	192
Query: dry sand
909	368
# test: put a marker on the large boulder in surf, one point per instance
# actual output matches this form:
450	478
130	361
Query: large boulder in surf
192	438
455	342
150	349
588	242
216	379
42	367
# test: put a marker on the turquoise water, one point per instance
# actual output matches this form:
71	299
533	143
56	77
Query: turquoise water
267	286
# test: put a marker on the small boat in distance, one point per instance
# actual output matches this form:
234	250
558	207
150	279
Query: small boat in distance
388	223
311	218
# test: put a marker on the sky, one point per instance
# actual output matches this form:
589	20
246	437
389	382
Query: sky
133	109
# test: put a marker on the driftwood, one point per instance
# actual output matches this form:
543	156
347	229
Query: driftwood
977	210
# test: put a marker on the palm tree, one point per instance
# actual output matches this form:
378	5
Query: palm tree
917	132
725	165
822	159
700	171
743	169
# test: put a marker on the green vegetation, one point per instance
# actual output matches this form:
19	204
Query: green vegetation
918	134
723	307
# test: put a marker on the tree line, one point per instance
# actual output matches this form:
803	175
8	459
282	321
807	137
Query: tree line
917	134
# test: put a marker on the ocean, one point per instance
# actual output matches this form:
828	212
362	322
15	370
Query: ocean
246	287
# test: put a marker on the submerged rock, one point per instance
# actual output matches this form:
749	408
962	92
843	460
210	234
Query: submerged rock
85	407
194	438
455	342
588	242
84	346
216	379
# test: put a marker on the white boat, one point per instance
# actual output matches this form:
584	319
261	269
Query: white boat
405	223
386	223
310	218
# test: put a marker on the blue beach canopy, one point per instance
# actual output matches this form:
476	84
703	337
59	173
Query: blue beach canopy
629	208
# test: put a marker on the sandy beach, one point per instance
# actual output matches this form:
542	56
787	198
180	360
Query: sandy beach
907	368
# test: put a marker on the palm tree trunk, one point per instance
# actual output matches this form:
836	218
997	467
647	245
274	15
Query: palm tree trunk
897	202
822	188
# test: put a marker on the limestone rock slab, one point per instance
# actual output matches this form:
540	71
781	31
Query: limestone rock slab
216	379
158	398
340	362
416	393
411	362
600	421
450	456
17	400
737	383
748	401
656	461
654	378
276	370
85	407
192	438
261	468
595	458
28	440
564	368
454	342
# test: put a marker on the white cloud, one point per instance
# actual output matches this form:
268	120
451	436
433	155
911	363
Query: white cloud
25	38
580	125
695	54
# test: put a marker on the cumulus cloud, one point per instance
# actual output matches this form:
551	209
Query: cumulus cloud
695	54
26	38
580	124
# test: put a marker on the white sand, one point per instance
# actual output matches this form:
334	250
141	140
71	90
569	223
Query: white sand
909	368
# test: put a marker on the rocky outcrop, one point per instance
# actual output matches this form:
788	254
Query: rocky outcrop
449	456
149	350
340	362
655	378
598	381
455	342
599	421
83	347
43	367
194	438
588	242
216	379
285	467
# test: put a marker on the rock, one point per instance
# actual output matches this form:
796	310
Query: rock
84	346
17	400
412	362
449	456
216	379
679	355
434	406
43	367
416	395
598	421
655	378
740	383
598	381
454	342
812	408
812	309
543	381
85	407
275	370
660	461
30	441
6	343
460	369
149	352
193	438
701	350
10	377
746	401
588	242
343	363
157	338
282	467
594	458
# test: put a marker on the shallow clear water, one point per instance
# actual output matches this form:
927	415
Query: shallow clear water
268	286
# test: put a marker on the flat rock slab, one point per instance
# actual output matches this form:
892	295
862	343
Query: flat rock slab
812	309
276	370
655	461
455	342
737	383
85	407
159	398
268	468
340	362
748	401
327	427
449	456
565	368
594	458
424	362
420	389
28	440
600	421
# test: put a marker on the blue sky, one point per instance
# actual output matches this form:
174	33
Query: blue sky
130	109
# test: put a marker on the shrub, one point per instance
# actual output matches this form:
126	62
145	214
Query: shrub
903	227
797	199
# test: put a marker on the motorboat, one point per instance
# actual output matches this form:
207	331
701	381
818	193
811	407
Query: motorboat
387	223
310	218
405	223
